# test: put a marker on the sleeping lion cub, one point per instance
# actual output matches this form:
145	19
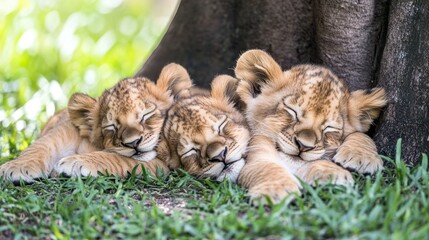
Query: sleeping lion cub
203	134
129	126
206	135
305	123
120	129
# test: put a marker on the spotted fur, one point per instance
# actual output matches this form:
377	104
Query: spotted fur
206	135
303	121
113	133
203	134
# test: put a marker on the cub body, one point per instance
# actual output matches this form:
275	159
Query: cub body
206	135
203	134
304	122
120	129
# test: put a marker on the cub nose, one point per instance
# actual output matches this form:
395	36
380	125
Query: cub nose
302	147
133	144
220	157
306	140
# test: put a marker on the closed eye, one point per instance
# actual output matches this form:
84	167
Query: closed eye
110	127
222	126
147	115
190	152
331	129
292	112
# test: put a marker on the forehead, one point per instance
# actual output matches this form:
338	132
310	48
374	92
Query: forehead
193	117
317	90
126	96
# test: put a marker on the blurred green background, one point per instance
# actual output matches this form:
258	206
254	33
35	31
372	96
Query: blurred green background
52	48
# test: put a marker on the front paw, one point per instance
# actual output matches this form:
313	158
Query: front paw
323	171
359	153
73	166
16	171
277	189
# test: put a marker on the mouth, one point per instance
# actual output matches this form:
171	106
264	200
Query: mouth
280	149
144	155
229	164
231	170
139	153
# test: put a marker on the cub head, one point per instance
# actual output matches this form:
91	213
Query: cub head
307	111
206	135
128	118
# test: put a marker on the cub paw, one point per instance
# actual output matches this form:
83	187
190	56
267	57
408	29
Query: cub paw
73	166
323	171
359	153
18	170
276	191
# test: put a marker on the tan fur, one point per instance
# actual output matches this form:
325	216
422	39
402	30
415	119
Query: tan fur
206	135
125	123
310	119
58	118
264	173
93	163
358	152
364	107
190	140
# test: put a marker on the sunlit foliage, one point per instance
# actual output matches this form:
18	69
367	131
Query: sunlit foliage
52	48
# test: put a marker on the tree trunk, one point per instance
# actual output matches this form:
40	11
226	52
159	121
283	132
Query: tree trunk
347	37
201	38
404	73
367	42
265	25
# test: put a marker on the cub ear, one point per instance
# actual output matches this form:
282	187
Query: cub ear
365	106
256	68
82	108
175	79
224	88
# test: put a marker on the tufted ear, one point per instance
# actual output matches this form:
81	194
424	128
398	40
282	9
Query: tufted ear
82	109
365	106
256	68
223	88
174	78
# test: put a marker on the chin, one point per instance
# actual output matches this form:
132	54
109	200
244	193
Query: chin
145	156
231	172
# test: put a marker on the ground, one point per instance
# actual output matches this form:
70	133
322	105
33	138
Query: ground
389	205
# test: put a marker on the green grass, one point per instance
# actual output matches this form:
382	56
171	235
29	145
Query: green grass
391	205
36	78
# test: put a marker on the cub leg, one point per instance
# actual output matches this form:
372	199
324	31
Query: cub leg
89	164
264	175
324	171
39	158
359	153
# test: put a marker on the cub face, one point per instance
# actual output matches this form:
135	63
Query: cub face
128	118
206	135
307	111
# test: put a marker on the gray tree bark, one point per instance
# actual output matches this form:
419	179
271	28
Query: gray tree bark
404	73
347	38
367	42
284	28
201	38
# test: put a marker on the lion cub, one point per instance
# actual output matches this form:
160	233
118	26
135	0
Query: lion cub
203	134
114	133
304	122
